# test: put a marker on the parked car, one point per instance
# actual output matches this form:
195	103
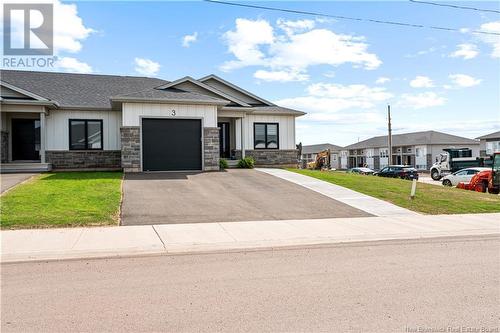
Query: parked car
461	176
361	171
398	171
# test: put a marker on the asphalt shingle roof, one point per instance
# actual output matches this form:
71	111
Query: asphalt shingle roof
415	138
71	90
494	135
74	90
310	149
168	95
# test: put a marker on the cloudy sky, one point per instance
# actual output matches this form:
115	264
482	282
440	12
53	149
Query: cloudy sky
343	73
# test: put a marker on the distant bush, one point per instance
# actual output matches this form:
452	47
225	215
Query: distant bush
223	164
246	163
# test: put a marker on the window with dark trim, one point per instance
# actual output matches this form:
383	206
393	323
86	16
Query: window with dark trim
85	134
266	136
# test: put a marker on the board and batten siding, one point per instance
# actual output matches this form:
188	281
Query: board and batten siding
132	112
57	123
286	130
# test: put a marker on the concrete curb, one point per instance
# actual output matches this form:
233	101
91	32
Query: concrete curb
77	243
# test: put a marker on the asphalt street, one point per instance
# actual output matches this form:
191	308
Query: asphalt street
396	286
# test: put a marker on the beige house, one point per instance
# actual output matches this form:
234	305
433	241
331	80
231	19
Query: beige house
489	143
417	149
86	121
309	153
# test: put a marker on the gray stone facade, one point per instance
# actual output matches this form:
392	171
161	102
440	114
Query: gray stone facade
5	146
211	148
84	159
131	148
266	157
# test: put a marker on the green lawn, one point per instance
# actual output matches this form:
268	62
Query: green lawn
63	199
430	199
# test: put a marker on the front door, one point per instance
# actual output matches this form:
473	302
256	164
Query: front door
25	139
224	143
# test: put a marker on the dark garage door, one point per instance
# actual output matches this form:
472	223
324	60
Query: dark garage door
171	144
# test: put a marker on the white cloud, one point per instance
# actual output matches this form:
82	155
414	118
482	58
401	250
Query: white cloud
291	27
280	76
464	81
72	65
493	40
325	99
146	66
256	43
466	51
69	29
245	41
421	82
421	100
382	80
187	40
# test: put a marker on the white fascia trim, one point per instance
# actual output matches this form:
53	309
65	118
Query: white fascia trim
23	92
241	90
27	102
170	101
204	86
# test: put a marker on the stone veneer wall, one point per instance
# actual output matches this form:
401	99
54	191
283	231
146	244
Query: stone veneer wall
211	150
5	146
131	148
271	157
83	159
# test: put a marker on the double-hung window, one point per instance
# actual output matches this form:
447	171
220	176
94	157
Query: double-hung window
266	135
85	134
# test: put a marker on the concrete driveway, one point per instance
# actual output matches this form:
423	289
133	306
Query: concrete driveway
9	180
234	195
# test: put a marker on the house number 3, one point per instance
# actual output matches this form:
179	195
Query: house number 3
173	112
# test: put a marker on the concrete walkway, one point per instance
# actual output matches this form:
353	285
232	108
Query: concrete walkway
48	244
352	198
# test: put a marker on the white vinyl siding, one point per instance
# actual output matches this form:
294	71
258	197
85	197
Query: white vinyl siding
286	130
232	92
133	111
421	157
57	123
492	147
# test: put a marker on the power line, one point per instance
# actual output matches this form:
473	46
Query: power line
457	7
340	17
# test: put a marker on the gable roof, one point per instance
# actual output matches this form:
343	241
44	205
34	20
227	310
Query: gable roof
106	92
311	149
235	87
415	138
494	135
203	86
168	95
77	90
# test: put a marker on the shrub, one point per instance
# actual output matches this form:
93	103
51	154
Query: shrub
223	164
246	163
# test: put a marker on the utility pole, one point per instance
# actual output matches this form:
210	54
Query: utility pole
389	136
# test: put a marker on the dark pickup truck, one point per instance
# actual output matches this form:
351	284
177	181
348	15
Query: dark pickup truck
398	171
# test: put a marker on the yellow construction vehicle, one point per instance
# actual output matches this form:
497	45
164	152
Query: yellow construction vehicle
321	162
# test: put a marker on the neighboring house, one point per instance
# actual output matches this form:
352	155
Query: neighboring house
490	143
309	153
417	149
87	121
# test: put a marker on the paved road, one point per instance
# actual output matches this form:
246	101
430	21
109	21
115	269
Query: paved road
367	287
234	195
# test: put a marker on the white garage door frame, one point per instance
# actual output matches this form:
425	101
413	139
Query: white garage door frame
174	117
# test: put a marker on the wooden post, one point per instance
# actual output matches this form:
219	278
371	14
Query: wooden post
413	189
389	134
